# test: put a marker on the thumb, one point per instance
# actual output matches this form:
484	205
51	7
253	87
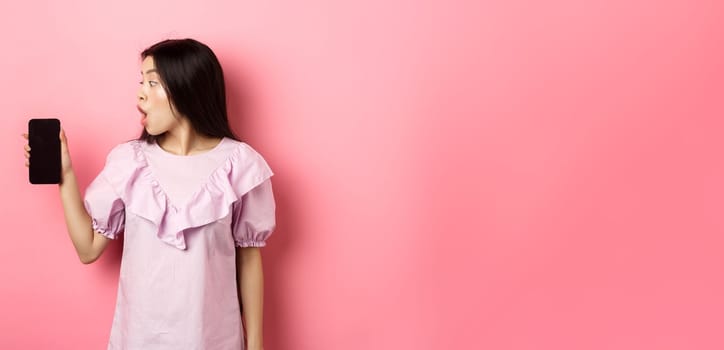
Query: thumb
63	140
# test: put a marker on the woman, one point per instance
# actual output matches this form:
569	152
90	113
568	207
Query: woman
194	205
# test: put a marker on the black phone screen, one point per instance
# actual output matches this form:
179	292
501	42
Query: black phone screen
44	141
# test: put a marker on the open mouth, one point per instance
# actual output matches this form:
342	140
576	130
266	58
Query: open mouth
143	115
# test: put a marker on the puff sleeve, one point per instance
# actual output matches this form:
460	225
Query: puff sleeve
253	216
104	205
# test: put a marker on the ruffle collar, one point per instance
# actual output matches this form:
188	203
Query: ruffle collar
143	196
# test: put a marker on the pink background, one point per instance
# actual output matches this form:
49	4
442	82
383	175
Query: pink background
449	175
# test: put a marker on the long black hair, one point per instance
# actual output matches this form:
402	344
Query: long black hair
194	82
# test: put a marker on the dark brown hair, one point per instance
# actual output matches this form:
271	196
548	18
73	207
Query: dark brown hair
194	82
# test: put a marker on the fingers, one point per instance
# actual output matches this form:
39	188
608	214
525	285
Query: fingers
26	148
27	155
63	139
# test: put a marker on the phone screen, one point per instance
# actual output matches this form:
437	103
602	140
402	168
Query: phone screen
44	141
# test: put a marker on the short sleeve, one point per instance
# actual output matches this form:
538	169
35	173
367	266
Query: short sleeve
104	206
253	219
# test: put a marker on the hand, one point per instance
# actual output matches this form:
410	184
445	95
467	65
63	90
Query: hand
66	166
27	151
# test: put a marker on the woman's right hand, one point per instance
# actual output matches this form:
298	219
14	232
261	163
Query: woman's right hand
66	166
77	219
27	151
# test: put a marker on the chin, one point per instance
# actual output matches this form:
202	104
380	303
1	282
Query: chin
153	132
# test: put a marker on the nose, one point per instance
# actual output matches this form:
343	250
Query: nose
141	95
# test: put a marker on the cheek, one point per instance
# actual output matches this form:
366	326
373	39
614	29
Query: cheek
159	95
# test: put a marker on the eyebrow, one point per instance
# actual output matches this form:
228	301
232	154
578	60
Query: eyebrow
152	70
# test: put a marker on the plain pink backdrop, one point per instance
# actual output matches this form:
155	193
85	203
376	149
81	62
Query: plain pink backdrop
449	174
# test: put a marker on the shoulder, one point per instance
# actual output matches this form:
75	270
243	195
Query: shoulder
124	153
246	167
244	152
240	145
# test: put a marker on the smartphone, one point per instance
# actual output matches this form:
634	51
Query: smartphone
44	141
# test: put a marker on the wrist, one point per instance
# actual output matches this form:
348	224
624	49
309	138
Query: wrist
68	171
66	174
254	346
254	343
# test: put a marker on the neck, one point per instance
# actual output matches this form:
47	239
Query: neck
184	140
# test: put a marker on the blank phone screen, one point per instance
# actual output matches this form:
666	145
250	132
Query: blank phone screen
44	141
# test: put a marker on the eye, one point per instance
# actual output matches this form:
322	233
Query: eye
153	83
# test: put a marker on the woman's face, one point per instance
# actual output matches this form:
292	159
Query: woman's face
157	115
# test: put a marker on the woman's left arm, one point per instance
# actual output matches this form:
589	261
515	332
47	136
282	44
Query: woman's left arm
250	279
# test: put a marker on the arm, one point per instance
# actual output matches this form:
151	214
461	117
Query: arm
88	245
250	279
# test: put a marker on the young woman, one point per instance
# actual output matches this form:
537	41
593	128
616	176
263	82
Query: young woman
194	205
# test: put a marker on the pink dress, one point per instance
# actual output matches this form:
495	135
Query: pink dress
181	217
